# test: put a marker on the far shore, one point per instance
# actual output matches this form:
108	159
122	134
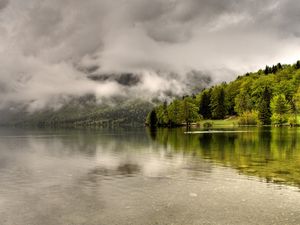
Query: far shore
232	121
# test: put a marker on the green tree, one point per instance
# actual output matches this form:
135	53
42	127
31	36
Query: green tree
218	104
296	100
204	105
190	110
279	104
264	109
243	102
280	107
248	118
231	91
267	70
175	112
296	106
162	115
246	95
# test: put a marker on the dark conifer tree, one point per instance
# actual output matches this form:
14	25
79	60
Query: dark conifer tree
204	106
274	69
153	119
267	70
297	64
264	108
279	66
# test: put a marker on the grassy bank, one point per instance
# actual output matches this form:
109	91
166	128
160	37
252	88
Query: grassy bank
230	122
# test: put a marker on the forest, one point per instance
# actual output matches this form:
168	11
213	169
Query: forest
270	96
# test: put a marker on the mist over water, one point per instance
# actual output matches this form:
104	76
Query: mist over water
149	177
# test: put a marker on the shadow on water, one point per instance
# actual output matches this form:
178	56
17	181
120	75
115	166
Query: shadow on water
271	154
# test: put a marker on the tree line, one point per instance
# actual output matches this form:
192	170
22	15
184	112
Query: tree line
268	96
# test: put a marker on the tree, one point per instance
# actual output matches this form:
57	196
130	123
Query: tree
296	100
190	111
246	96
175	113
248	118
162	115
280	107
204	105
218	105
258	86
243	102
279	104
279	66
267	70
231	91
264	109
295	107
152	122
297	65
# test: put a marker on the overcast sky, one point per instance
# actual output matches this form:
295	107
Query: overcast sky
49	48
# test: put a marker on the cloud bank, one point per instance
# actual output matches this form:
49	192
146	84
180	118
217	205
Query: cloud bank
52	50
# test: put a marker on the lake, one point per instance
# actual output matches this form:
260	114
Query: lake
125	176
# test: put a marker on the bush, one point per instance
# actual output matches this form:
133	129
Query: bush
207	125
248	118
292	120
279	119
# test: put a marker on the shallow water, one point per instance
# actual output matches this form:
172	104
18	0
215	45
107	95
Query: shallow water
106	177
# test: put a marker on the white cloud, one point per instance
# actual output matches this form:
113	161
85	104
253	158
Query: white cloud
48	47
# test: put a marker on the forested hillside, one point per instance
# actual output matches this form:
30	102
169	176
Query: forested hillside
85	112
268	96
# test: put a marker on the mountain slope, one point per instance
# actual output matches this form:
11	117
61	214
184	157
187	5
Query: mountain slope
85	112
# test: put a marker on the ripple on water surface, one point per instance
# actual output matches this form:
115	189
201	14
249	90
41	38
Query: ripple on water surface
88	178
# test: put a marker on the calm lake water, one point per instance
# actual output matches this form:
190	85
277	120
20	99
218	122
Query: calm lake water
232	176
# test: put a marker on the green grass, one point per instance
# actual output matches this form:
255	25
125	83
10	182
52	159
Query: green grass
229	122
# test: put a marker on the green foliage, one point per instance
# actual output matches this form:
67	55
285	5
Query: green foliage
279	119
269	153
280	107
264	109
292	120
162	115
204	105
218	104
247	94
207	125
86	112
190	110
243	102
231	91
249	118
175	112
296	100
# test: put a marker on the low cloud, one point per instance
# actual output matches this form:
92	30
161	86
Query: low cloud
54	50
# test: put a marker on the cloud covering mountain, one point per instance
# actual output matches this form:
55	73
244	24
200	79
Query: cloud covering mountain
52	49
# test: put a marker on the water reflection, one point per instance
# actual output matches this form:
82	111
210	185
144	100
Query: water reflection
148	177
272	154
126	169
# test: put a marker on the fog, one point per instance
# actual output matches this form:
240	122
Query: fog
54	50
